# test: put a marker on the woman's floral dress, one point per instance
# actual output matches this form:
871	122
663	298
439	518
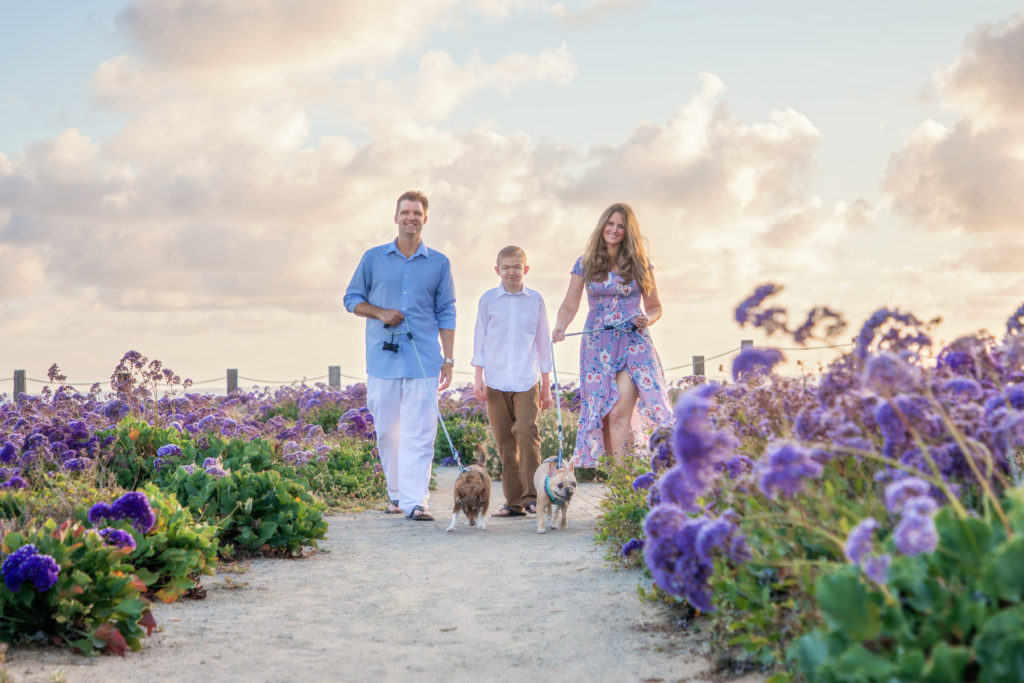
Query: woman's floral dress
603	354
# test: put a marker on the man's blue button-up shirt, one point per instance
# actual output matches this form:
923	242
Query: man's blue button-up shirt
421	287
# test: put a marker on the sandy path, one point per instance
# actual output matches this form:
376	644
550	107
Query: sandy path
400	600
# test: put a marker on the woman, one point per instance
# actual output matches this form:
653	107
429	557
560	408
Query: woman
619	365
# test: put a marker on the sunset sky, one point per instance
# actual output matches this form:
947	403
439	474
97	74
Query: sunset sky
196	179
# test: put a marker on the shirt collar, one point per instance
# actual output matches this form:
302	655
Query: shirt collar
504	292
421	250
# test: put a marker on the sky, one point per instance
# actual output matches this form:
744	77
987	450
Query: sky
197	179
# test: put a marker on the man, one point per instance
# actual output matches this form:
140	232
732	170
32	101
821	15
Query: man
404	288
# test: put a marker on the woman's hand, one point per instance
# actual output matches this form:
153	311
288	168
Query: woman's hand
558	334
641	321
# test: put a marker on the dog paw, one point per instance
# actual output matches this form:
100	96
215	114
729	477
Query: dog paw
450	528
542	530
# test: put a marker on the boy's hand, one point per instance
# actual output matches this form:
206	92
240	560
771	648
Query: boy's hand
546	400
480	392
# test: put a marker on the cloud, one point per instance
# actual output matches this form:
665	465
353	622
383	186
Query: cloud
278	34
439	85
967	176
592	12
984	80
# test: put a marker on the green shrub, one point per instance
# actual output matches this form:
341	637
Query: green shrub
171	556
96	603
952	615
134	449
622	509
251	510
466	434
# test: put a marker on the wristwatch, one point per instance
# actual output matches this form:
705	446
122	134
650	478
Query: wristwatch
449	361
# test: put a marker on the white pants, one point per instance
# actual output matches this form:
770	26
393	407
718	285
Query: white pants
405	417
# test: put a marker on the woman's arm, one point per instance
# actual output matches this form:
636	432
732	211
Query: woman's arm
652	307
567	311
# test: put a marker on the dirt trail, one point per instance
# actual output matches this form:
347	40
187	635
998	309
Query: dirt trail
393	599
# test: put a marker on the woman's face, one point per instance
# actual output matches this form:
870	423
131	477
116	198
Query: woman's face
615	229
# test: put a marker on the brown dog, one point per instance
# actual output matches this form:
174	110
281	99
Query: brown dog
554	493
472	496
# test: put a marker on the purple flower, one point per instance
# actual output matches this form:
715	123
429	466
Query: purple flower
902	490
26	564
859	543
1015	323
889	372
752	359
784	469
216	471
134	507
99	512
876	568
915	535
696	447
15	482
631	546
814	316
210	462
679	488
891	337
747	310
921	506
643	482
189	468
8	452
963	387
169	451
118	538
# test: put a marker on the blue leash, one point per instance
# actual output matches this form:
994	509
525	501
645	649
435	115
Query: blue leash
625	326
437	408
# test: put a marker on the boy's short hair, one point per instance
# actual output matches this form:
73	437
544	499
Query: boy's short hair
413	196
511	251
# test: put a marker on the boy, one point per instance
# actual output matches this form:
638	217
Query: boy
511	345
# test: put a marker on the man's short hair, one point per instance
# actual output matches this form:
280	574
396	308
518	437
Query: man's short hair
509	252
413	196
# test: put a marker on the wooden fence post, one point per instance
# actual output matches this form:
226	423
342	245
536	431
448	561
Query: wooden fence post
232	379
698	365
19	383
334	376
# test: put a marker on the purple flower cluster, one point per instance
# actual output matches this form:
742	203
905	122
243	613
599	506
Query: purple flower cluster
784	469
752	361
859	550
133	507
118	538
631	546
26	565
679	550
169	451
915	534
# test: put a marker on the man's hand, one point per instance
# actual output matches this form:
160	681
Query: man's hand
446	377
390	316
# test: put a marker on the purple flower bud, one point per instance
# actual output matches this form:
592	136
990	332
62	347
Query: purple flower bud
915	535
876	568
118	538
859	543
169	451
99	512
900	491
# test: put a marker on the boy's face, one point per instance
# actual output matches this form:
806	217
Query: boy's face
511	270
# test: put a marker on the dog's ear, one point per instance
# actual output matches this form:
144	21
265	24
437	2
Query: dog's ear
572	467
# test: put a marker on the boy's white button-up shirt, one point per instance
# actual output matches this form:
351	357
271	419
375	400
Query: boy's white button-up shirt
511	341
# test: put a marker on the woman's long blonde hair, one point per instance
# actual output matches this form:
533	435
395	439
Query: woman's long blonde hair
632	257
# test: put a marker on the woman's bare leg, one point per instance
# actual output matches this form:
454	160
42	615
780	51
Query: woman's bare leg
618	422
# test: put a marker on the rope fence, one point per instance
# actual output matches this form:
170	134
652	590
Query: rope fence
334	374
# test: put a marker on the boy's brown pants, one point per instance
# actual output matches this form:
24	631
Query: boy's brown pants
513	418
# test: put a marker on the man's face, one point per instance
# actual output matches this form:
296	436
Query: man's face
511	270
410	219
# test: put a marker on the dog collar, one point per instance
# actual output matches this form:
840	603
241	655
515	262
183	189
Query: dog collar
557	500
